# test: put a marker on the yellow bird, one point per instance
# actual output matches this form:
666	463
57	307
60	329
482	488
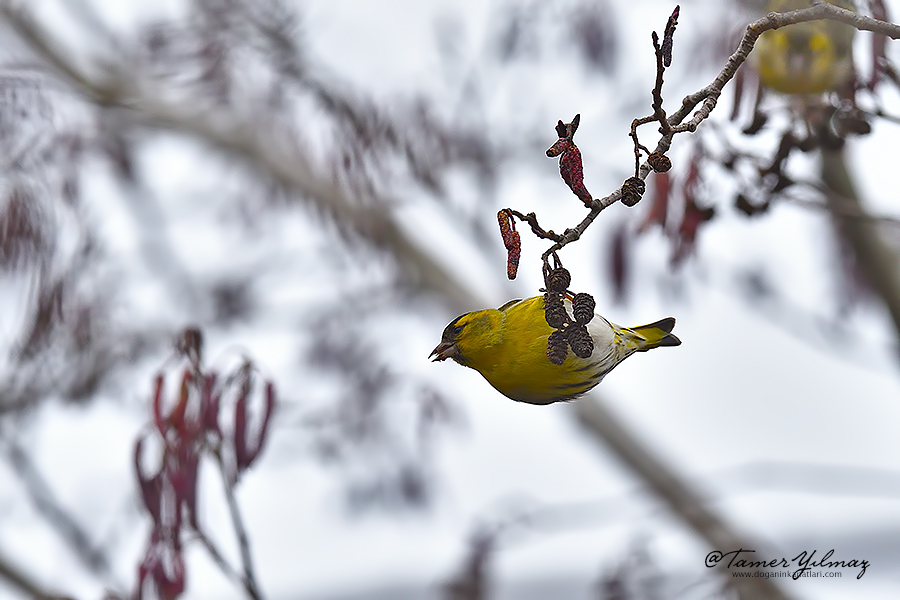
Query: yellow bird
508	346
805	58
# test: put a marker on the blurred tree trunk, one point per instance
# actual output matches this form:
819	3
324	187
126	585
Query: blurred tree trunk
877	261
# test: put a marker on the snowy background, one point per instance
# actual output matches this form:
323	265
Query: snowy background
781	409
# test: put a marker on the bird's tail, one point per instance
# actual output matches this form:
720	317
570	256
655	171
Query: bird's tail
657	334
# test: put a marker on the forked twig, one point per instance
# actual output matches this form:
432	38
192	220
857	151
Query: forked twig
702	102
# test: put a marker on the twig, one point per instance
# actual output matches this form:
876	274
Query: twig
248	579
707	97
843	209
531	219
266	150
217	557
878	262
18	580
49	506
271	149
879	112
663	59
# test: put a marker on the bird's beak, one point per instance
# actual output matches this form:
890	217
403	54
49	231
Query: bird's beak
444	351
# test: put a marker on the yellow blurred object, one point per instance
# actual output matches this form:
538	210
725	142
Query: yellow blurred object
805	58
508	346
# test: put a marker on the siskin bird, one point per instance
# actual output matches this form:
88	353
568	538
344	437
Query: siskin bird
805	58
508	346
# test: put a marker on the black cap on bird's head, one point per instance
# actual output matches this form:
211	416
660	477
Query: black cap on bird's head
448	348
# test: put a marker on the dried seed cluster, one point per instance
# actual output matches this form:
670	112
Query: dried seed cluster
569	332
659	162
583	306
632	191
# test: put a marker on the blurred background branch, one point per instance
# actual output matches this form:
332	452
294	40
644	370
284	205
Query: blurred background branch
267	145
879	263
682	498
13	576
131	94
93	557
275	152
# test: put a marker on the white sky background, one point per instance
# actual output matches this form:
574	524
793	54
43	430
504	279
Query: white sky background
744	388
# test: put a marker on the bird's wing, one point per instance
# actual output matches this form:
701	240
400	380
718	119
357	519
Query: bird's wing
508	304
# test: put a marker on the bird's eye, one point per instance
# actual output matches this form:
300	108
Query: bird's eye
452	330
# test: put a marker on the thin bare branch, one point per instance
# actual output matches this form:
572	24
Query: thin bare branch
270	149
218	557
539	231
878	262
15	577
62	521
280	157
248	577
708	97
840	209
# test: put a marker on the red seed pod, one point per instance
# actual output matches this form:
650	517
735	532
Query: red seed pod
693	218
169	575
190	344
151	487
157	406
512	258
507	225
619	255
240	433
561	145
572	172
668	37
562	130
176	418
184	484
209	405
245	452
253	453
662	186
511	240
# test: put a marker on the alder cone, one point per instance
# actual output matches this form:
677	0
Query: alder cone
558	280
557	347
581	342
555	311
583	306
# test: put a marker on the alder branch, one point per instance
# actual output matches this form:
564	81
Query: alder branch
281	159
663	59
539	231
705	99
